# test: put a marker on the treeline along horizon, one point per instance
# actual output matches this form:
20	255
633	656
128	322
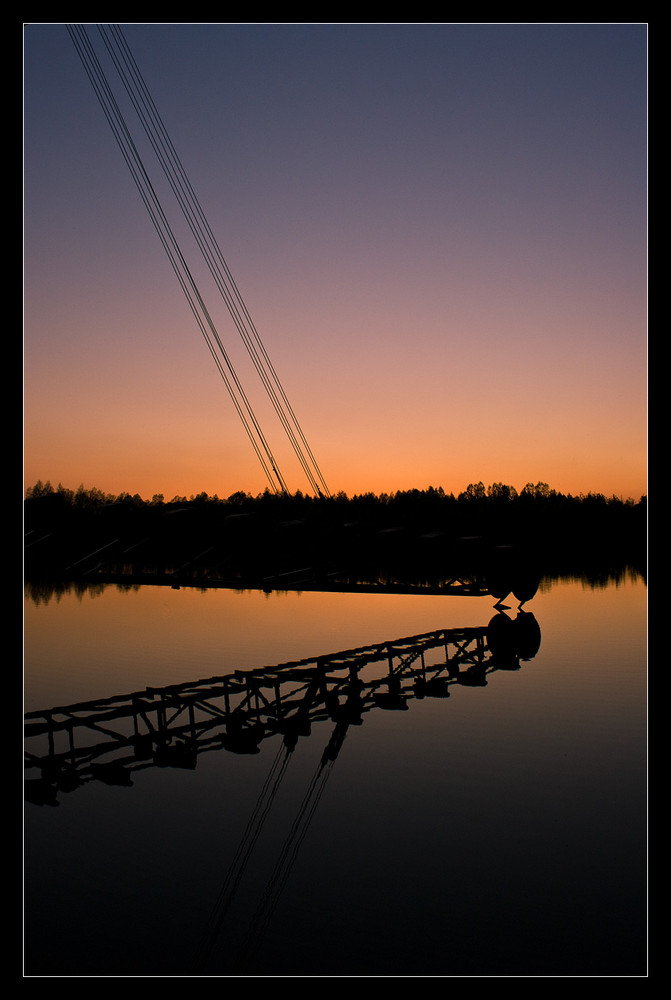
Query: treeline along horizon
474	491
406	532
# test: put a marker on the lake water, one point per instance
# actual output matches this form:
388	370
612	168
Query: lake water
492	825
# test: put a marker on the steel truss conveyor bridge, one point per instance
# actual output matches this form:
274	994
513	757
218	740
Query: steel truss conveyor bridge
109	739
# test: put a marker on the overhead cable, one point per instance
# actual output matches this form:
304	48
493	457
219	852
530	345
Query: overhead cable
163	148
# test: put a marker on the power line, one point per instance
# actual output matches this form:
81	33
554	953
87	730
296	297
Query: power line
195	216
159	139
166	235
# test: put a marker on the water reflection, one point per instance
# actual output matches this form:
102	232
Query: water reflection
109	739
391	805
504	572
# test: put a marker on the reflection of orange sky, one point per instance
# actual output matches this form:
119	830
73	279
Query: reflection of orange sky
78	648
74	647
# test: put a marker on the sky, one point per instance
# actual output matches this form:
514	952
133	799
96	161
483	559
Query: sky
439	231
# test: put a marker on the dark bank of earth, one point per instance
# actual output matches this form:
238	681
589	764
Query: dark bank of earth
409	539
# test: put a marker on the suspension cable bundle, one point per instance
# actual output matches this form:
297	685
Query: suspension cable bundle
151	122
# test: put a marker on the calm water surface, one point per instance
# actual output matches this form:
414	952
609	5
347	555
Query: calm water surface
497	831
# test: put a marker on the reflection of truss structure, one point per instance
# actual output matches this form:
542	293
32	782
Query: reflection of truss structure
109	738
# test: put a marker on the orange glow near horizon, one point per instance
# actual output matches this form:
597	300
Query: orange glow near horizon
451	290
397	422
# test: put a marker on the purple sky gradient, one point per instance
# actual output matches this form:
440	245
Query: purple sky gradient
439	230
